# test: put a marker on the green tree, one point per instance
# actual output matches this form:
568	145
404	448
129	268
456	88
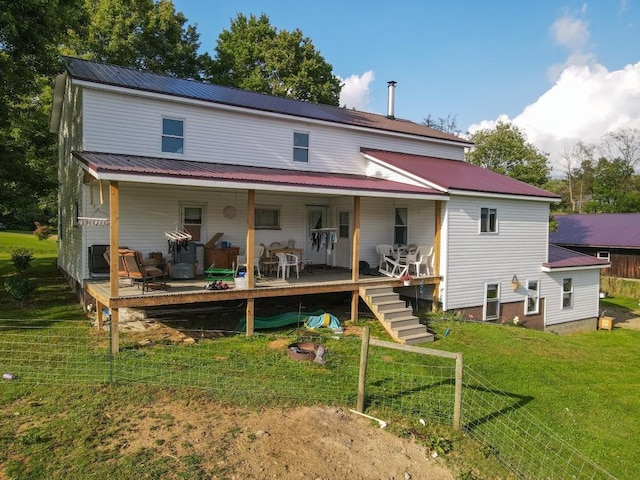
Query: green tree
254	55
144	34
505	150
615	189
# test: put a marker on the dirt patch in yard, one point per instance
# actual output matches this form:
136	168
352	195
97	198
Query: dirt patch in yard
305	442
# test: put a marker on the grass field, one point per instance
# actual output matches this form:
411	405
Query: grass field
584	387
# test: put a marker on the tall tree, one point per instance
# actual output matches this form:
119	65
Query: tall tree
622	144
505	150
614	188
446	124
254	55
144	34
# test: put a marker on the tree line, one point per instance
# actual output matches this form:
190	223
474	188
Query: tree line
251	54
146	34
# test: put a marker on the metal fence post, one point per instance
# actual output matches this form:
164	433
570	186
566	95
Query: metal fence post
362	377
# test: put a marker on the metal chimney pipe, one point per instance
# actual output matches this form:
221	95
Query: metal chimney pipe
391	99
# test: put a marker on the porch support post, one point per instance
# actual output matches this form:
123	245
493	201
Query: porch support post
251	237
355	258
114	263
436	252
99	316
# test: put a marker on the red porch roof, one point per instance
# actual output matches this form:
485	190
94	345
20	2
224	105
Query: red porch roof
105	164
457	174
560	257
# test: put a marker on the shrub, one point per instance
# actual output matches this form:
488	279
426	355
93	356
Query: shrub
19	288
42	231
21	258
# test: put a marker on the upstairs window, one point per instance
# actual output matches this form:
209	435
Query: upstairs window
172	135
300	147
488	220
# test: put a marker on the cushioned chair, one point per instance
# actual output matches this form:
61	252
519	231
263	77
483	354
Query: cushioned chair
123	274
139	272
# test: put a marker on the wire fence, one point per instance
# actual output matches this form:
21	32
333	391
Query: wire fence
257	371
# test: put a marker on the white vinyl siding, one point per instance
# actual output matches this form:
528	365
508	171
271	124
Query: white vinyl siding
520	248
586	301
129	125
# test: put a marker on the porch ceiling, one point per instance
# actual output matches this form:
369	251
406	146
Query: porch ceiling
135	168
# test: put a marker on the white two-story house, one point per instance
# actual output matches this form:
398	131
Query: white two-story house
144	155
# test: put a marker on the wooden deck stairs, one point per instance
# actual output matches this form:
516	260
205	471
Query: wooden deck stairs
397	319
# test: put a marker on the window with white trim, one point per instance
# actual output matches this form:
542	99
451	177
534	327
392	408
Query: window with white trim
172	135
488	220
491	301
532	300
400	228
267	218
567	293
604	256
300	147
343	227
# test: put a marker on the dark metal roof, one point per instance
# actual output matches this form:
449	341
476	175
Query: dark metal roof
560	257
619	230
457	174
150	82
105	163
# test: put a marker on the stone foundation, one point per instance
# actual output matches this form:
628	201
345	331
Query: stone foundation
586	325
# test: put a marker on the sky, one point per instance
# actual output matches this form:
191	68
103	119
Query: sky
562	71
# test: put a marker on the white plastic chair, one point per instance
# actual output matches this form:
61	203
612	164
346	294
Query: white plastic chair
383	250
257	257
424	257
285	262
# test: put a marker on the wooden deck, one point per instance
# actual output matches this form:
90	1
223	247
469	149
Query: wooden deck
180	292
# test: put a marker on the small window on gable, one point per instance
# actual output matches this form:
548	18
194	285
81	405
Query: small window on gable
531	301
300	147
567	293
267	218
488	220
604	256
172	135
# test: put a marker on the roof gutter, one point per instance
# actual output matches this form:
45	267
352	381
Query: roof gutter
546	268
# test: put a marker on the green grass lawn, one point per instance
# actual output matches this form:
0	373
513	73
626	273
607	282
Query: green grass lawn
584	387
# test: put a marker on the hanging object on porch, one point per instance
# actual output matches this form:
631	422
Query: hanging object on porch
178	235
323	238
93	221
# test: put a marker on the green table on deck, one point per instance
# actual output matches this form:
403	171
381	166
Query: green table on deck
212	274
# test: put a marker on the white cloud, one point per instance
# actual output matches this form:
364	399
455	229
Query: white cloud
356	91
585	102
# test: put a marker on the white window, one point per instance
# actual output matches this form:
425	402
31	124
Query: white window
532	302
488	220
192	221
172	135
300	147
491	301
400	233
343	228
267	218
567	293
604	256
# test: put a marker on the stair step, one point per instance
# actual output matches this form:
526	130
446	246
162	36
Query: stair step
420	338
409	330
368	291
383	297
402	321
390	305
400	313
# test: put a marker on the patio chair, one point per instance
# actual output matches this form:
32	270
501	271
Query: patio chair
383	250
123	274
143	274
285	262
268	262
424	258
241	261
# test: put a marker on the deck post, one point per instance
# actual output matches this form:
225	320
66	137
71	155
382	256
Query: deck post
114	264
249	250
362	376
437	239
99	316
355	258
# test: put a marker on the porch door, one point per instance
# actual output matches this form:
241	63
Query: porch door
342	249
316	218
